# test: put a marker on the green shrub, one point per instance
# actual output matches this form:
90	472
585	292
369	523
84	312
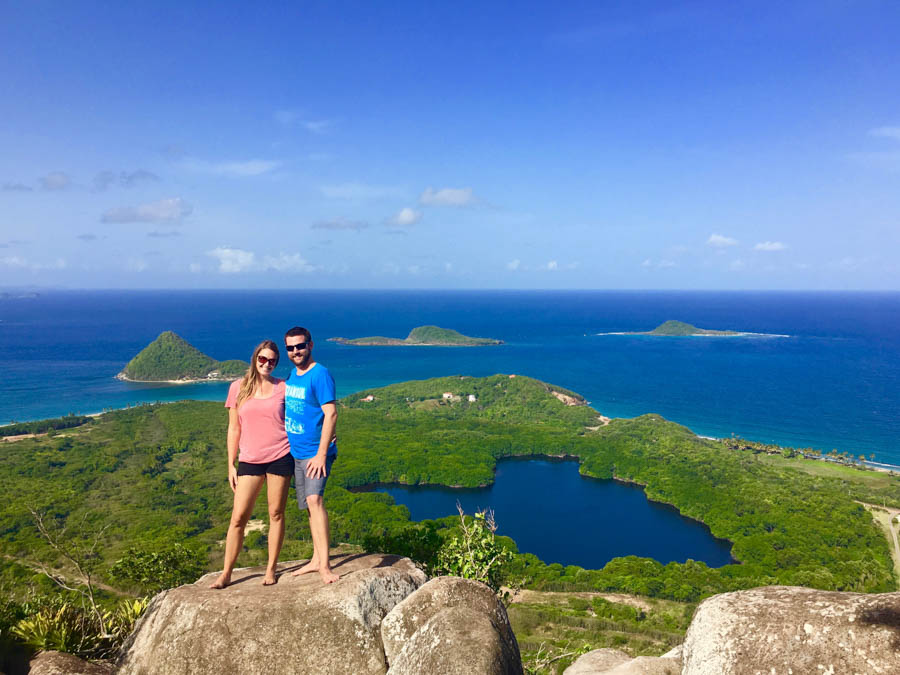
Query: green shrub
155	571
474	552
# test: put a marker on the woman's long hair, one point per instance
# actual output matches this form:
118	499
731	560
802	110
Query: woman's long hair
252	378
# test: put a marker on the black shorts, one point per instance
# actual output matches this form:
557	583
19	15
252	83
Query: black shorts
283	466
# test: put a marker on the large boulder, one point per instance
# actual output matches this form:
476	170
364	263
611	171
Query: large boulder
597	661
450	625
60	663
296	626
614	662
783	629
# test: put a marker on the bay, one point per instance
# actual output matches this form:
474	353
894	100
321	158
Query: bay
552	511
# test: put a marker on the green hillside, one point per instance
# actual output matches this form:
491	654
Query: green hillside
421	336
681	329
155	475
170	357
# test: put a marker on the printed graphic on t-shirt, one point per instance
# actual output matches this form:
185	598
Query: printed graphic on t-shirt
294	405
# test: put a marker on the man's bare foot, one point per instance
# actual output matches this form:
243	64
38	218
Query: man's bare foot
311	566
328	577
221	582
270	578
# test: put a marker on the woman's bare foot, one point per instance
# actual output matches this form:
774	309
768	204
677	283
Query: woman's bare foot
270	578
328	577
221	582
311	566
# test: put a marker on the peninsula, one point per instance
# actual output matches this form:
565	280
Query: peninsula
422	336
170	358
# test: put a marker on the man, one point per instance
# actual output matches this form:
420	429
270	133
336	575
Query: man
310	418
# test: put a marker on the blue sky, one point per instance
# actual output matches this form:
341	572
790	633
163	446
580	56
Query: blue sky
737	145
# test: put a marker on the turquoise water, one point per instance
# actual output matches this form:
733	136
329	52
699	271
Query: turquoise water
560	516
833	383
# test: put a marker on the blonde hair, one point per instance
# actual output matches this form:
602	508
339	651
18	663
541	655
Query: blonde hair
252	379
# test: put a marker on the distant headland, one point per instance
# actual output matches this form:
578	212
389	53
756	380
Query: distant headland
681	329
422	336
170	358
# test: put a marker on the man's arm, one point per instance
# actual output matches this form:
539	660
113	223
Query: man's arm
315	467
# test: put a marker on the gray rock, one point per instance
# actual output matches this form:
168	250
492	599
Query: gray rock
456	641
647	665
60	663
597	661
296	626
784	629
674	653
436	596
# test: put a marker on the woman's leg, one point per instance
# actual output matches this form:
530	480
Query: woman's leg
277	493
244	501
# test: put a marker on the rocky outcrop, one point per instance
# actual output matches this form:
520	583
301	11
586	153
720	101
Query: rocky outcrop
296	626
614	662
59	663
450	625
782	629
597	661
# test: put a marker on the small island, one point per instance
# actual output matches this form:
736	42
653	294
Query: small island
422	336
681	329
170	358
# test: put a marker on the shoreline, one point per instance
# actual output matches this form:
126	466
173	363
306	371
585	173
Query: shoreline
125	378
710	335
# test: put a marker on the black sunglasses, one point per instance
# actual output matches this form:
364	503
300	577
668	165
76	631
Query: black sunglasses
300	346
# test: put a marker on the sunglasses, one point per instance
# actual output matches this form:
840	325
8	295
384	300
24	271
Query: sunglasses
300	346
262	360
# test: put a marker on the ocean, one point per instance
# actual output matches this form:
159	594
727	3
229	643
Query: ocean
832	383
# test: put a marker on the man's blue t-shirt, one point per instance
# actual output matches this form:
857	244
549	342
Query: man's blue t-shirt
303	400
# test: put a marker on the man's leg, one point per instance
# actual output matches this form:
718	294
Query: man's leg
318	526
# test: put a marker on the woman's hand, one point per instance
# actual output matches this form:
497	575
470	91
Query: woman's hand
232	477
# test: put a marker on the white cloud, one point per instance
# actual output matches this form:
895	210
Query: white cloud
551	266
447	197
164	234
136	265
127	179
414	269
354	190
737	265
664	264
886	132
234	169
513	265
340	224
56	180
770	246
16	187
287	262
647	263
164	211
233	260
318	126
448	267
720	241
289	118
18	262
406	216
236	261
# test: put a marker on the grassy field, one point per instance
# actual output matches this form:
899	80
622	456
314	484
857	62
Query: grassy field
553	629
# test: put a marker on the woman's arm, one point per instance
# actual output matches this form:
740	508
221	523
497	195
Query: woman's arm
234	436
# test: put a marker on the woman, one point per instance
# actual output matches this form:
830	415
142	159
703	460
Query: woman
256	428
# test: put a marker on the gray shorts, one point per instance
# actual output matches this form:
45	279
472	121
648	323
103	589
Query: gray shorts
305	486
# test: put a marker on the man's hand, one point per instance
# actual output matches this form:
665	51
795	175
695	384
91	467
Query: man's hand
315	468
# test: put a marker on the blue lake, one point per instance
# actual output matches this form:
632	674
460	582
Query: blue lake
552	511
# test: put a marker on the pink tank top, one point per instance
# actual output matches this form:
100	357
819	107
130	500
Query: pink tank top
263	438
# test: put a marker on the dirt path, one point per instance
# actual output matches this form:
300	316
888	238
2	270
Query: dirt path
886	518
547	596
